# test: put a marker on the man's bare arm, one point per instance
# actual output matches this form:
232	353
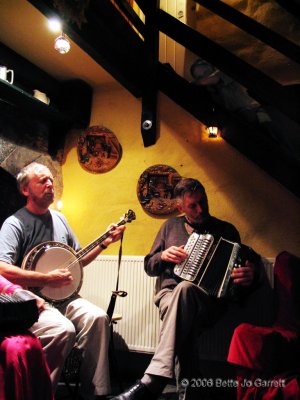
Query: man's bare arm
57	277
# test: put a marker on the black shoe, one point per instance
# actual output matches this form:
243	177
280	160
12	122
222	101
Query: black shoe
139	391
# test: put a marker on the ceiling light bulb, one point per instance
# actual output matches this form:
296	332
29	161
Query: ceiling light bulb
54	25
62	44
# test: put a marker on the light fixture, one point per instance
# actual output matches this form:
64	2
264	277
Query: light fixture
55	25
212	131
59	205
62	44
212	124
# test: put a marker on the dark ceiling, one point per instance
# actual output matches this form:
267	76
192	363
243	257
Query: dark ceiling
131	57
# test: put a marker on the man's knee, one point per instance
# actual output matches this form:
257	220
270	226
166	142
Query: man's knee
186	288
97	319
65	331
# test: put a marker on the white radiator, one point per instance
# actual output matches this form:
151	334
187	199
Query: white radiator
139	328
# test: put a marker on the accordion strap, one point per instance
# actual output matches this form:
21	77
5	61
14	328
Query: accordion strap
117	292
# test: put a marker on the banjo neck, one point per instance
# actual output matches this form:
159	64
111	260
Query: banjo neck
81	253
128	217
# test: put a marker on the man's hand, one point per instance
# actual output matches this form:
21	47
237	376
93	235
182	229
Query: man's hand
174	254
244	275
59	277
115	235
39	301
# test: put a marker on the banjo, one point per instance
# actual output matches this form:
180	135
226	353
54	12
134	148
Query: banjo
51	255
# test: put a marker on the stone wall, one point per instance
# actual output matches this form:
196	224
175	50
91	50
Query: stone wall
23	140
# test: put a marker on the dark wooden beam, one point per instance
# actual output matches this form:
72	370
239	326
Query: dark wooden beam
254	28
132	16
190	97
149	96
264	88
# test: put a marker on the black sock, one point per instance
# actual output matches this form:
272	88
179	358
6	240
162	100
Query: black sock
155	383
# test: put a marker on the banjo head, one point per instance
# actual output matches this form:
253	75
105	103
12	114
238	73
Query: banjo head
50	256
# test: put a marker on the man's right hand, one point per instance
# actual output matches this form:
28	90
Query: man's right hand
174	254
59	277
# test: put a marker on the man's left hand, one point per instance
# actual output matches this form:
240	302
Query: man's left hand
117	231
244	275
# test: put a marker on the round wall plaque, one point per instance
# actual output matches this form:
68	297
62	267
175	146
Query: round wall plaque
98	149
155	189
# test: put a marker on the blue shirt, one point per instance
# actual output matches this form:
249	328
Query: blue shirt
22	231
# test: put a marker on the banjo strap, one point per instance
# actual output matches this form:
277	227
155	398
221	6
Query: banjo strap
117	292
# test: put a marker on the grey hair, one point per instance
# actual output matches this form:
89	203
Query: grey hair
188	185
27	172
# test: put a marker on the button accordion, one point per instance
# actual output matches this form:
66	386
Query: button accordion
210	263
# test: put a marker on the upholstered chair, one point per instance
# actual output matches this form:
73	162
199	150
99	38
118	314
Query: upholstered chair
268	357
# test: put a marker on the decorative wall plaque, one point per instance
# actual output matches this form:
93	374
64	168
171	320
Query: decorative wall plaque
98	149
155	189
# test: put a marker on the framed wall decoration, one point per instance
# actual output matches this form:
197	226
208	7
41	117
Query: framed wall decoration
98	149
155	189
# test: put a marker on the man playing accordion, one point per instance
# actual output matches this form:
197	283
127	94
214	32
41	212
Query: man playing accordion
185	308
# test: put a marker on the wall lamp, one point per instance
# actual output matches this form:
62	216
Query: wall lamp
212	131
213	125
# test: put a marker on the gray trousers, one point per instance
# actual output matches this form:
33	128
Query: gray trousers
79	321
184	311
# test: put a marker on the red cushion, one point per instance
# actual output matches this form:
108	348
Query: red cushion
267	349
273	351
277	347
280	387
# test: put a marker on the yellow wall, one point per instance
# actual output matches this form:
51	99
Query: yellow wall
266	214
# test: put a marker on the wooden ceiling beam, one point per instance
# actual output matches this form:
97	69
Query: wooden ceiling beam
150	85
129	13
264	88
254	28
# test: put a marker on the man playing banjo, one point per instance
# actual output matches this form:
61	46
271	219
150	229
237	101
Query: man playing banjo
74	318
